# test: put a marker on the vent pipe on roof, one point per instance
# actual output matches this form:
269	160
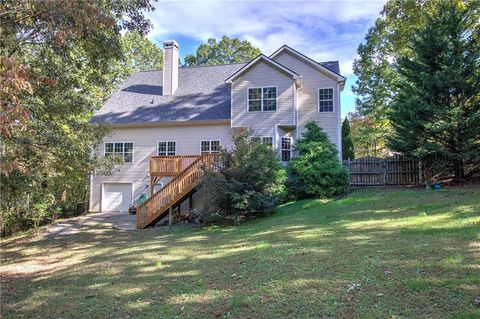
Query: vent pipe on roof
170	67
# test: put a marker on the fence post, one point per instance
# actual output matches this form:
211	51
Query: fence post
384	162
349	163
420	171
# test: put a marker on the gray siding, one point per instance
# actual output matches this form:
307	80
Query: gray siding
277	124
145	140
308	98
261	75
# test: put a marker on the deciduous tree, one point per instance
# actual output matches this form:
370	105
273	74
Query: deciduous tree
369	135
226	50
385	41
138	54
54	62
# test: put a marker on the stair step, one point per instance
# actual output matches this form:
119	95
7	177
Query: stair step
169	195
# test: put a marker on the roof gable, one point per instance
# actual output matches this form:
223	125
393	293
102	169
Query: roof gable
262	58
319	66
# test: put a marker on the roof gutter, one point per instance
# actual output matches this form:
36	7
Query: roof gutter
167	123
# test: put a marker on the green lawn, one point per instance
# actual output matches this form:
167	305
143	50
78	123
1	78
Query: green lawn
373	254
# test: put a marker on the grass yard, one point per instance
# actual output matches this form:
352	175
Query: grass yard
373	254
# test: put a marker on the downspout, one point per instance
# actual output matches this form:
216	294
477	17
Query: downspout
300	86
231	105
340	155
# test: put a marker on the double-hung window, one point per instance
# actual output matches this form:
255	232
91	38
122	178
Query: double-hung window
325	100
167	148
286	149
207	147
262	99
267	140
124	149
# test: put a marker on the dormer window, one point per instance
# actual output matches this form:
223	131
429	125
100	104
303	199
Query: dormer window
262	99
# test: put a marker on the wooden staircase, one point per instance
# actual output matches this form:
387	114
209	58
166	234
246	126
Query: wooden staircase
174	192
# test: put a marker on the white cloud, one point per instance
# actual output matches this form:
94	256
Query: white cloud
324	30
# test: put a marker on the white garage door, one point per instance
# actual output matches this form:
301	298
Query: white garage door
116	196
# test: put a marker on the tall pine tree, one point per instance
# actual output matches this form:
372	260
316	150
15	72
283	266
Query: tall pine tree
347	143
436	110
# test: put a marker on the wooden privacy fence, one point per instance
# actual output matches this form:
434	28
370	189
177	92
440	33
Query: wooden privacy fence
390	171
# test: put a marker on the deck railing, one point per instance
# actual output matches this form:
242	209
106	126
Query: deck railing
170	165
173	191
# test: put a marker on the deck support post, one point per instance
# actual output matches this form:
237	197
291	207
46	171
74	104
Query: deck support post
190	204
170	216
152	185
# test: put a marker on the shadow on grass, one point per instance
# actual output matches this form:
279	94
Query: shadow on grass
301	262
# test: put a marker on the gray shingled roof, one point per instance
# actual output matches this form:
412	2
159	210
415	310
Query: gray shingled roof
332	65
201	95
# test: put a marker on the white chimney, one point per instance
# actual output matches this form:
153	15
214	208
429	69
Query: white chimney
170	67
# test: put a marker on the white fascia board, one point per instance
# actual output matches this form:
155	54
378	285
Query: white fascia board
266	59
305	58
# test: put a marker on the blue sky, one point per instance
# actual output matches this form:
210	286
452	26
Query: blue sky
323	30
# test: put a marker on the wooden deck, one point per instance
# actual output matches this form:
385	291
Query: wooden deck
163	166
170	165
187	171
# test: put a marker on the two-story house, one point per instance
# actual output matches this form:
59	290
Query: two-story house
181	111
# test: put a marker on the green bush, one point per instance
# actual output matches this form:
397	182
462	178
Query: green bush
316	170
32	199
249	181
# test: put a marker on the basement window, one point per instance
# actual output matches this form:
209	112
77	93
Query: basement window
124	149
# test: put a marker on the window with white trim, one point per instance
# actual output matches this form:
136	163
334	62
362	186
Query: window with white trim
124	149
286	149
262	99
325	100
207	147
267	140
167	148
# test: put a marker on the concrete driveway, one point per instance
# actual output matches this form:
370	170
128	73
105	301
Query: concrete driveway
116	220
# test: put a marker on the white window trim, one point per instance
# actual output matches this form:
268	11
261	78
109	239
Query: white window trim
261	101
167	147
210	145
282	149
262	137
133	149
333	100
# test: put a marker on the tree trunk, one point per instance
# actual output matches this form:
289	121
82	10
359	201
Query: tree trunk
459	171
